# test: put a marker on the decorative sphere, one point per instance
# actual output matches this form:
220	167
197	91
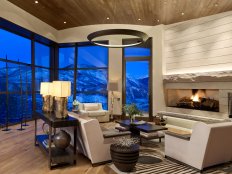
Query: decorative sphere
62	139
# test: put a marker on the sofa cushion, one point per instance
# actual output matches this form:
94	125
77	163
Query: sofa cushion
153	134
180	122
91	107
97	113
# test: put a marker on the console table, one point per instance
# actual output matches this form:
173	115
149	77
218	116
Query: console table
56	157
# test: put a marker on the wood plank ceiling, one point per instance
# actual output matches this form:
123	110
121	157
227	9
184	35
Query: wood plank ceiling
141	12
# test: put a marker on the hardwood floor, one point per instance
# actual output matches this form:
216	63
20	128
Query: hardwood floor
18	155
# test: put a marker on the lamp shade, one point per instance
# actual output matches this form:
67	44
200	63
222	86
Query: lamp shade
61	88
46	88
112	86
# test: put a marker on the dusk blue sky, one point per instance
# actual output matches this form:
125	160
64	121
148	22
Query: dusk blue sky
137	52
137	69
15	47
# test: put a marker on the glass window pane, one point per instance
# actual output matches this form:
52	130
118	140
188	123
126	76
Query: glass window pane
13	77
18	76
137	84
92	56
27	105
66	57
39	101
2	109
67	75
18	106
14	108
92	80
70	101
93	98
137	52
41	75
15	47
42	55
2	76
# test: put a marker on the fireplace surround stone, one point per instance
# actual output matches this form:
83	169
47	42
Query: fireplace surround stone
221	81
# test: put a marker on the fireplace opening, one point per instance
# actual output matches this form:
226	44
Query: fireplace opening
198	99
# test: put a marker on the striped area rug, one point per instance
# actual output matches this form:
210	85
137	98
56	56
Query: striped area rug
170	167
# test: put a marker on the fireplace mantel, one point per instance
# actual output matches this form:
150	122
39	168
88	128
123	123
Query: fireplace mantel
216	76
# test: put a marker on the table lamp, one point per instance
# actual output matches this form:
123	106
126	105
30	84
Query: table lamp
46	89
61	91
112	86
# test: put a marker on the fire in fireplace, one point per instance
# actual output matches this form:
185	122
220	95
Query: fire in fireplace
199	99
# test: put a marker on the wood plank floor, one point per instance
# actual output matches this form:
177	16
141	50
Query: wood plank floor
18	155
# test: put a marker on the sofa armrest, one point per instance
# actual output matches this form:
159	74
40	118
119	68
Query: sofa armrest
83	112
112	133
181	136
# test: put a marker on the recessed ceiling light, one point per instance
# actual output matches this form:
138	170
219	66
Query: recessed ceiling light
36	2
139	19
182	13
65	22
216	4
107	18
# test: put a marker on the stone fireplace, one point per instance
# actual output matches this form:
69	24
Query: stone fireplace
198	99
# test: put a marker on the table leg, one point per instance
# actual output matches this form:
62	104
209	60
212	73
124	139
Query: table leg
49	148
75	144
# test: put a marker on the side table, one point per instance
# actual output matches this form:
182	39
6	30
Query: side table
56	157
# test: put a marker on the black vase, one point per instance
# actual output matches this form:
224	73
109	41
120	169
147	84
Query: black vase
124	158
62	139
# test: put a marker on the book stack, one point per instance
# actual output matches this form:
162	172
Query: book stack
46	144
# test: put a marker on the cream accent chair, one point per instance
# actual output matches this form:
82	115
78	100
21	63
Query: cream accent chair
94	110
209	145
92	141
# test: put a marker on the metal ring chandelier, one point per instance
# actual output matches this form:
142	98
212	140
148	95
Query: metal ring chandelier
141	35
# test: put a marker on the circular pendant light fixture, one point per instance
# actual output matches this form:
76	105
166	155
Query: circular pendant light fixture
141	35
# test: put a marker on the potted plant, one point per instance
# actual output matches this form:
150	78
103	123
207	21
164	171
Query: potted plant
132	110
125	153
75	105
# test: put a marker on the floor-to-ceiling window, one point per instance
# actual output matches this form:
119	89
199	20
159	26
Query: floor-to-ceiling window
15	75
67	69
137	78
86	66
42	69
24	63
92	74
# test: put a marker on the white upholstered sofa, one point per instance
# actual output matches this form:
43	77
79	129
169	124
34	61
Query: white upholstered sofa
185	122
209	144
92	141
94	110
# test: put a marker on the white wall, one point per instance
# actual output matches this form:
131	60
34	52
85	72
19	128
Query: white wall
79	34
199	45
20	17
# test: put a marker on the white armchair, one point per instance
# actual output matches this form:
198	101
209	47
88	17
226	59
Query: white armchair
94	110
92	141
209	145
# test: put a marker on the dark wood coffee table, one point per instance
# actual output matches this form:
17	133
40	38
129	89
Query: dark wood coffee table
135	129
